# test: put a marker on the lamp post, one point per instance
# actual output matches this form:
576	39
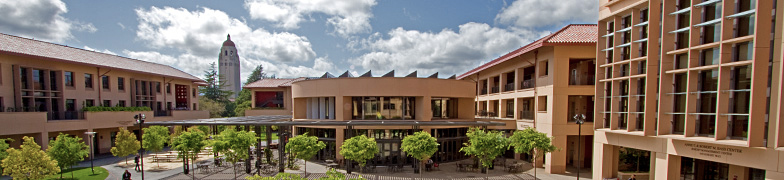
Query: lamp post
92	151
579	119
140	121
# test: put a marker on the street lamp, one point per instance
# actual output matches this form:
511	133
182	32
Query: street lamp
579	119
140	121
92	151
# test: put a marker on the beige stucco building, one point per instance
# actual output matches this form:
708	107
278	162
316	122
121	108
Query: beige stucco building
542	85
44	86
695	85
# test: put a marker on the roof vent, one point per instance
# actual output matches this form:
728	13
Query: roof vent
327	75
435	75
389	74
367	74
454	76
346	74
413	74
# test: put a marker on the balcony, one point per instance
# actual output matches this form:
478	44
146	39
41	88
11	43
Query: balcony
526	115
485	114
483	92
509	87
529	83
582	80
494	89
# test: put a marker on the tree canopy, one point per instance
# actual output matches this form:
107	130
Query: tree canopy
233	144
67	151
3	154
419	145
189	143
29	162
359	149
214	88
530	140
125	144
154	138
486	146
304	147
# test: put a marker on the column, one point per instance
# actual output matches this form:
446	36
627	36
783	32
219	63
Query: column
556	161
667	166
770	175
605	163
44	140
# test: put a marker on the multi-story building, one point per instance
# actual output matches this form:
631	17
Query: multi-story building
691	87
543	85
45	86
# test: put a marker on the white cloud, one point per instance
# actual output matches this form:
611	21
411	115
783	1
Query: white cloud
201	32
41	19
346	16
548	13
447	52
101	51
121	25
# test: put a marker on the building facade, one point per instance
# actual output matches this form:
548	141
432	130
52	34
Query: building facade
543	85
271	97
44	88
693	86
229	67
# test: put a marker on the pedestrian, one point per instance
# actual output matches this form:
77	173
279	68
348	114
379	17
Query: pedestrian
136	160
634	177
126	175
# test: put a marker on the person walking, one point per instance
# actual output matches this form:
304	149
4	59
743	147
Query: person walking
136	160
126	175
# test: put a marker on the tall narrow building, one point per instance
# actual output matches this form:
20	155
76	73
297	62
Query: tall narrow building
229	67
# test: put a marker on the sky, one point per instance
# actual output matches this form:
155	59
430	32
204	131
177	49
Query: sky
300	38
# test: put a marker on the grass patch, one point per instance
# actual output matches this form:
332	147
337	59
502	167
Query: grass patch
264	136
83	173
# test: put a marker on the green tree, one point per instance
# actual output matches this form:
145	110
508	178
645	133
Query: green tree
279	176
305	147
3	154
189	143
214	88
67	151
234	145
125	144
359	149
29	162
485	146
215	108
530	140
243	101
421	146
154	138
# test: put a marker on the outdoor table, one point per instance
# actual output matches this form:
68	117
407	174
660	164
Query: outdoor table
332	165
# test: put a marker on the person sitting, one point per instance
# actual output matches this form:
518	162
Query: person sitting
429	165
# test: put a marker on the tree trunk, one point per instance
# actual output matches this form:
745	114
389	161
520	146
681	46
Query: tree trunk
421	163
234	168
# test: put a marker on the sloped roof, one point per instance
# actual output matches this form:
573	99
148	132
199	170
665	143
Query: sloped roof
573	34
273	83
19	46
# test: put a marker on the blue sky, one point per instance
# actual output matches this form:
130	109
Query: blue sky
294	38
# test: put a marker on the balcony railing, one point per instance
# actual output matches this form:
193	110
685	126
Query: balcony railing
494	89
64	115
163	113
484	91
527	84
640	122
582	80
526	115
486	114
509	87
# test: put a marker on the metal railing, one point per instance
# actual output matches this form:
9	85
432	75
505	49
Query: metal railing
486	114
494	89
640	122
162	113
529	83
509	87
582	80
484	91
64	115
526	115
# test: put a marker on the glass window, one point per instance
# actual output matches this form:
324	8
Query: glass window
445	108
107	103
121	103
89	103
88	80
69	81
681	61
105	82
70	105
381	108
38	79
743	51
120	83
709	57
158	87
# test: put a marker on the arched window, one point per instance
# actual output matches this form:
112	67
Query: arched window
225	53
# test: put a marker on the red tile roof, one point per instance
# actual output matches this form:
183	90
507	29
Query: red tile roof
20	46
272	83
573	34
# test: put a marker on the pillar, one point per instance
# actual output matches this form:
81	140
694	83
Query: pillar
556	161
43	141
770	175
740	171
605	161
667	166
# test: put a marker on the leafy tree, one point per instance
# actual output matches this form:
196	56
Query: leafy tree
154	138
421	146
234	145
215	108
279	176
530	140
125	144
189	143
3	154
243	101
359	149
67	151
304	147
29	162
214	88
176	132
485	146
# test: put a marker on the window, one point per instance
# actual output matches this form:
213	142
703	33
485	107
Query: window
444	108
89	103
740	83
744	25
121	103
168	88
195	107
120	83
743	51
542	106
107	103
88	80
681	61
38	79
373	108
70	105
709	57
158	87
69	81
269	99
193	90
543	68
706	106
105	82
679	103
